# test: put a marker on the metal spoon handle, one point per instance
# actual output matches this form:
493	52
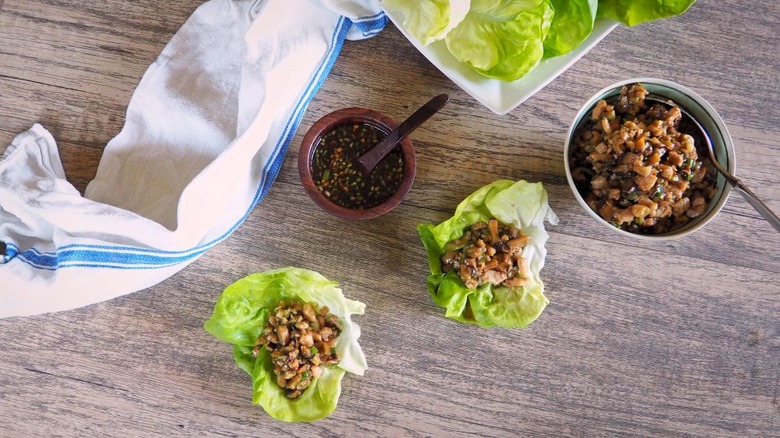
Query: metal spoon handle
370	159
746	193
762	208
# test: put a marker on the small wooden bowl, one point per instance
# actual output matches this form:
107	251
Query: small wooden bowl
348	116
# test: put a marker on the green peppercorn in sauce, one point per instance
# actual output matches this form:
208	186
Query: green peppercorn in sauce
335	172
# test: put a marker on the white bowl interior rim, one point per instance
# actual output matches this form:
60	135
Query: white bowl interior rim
700	109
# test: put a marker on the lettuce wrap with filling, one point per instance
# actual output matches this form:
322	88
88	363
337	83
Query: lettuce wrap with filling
240	315
520	204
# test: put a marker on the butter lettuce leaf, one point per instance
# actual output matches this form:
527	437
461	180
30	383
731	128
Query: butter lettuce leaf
571	25
429	20
633	12
241	313
502	39
506	39
521	204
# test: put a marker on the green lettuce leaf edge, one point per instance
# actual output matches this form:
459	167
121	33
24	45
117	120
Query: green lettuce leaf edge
521	204
242	310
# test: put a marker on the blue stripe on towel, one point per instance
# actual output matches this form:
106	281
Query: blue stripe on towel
292	124
64	258
129	257
11	251
370	26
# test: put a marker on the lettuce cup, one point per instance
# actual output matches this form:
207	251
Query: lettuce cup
292	332
485	260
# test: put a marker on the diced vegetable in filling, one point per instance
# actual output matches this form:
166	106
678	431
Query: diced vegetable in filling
635	164
300	339
488	253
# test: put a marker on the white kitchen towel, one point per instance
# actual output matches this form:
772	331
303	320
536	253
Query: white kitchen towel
206	131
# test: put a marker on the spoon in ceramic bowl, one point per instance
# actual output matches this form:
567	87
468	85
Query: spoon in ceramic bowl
743	190
373	156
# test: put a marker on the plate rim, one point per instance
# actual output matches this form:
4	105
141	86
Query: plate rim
502	97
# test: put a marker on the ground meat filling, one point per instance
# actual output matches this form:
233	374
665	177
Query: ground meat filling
300	338
488	253
635	165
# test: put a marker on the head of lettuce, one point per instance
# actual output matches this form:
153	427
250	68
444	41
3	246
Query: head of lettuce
520	204
242	312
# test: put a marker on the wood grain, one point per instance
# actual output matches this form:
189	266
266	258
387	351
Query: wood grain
674	338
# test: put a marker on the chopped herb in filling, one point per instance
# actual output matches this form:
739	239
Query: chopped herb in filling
488	253
300	338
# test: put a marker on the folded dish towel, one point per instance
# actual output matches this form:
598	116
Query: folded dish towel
206	132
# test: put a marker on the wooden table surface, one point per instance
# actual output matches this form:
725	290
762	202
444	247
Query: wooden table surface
676	338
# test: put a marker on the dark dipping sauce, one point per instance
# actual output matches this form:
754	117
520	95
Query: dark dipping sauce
337	176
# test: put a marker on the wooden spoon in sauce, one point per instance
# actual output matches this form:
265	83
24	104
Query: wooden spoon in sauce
373	156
